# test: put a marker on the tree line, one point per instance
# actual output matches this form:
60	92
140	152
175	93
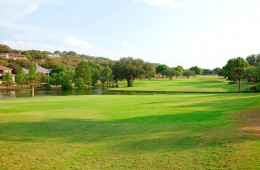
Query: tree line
84	71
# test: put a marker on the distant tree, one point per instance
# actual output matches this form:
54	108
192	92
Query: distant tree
169	72
208	72
188	73
129	68
33	78
4	63
149	70
197	70
5	48
80	83
234	69
253	60
83	70
160	68
218	71
232	64
179	71
257	73
56	52
55	79
66	78
95	72
14	66
7	79
252	73
21	78
238	73
105	75
72	53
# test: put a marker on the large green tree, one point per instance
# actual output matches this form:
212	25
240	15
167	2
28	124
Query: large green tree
160	68
188	73
170	72
21	78
149	70
83	70
129	68
234	69
197	70
179	71
66	78
253	60
33	78
7	79
105	75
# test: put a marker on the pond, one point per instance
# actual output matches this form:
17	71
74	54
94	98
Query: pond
17	93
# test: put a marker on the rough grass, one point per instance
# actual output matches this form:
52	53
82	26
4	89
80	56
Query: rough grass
181	131
197	84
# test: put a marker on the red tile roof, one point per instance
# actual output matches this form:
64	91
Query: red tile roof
5	68
13	54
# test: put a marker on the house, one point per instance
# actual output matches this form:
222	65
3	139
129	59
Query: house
54	55
4	70
40	70
13	56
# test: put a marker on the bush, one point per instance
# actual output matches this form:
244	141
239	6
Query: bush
47	86
253	89
232	82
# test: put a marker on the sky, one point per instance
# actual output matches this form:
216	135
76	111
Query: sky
204	33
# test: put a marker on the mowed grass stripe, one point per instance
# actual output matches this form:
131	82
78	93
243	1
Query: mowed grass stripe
182	131
204	84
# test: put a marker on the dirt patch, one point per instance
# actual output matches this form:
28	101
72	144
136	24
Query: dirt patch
249	121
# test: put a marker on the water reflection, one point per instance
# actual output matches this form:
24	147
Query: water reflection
58	92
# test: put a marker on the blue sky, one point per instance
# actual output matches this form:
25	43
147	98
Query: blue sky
205	33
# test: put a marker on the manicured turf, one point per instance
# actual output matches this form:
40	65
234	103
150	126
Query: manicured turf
181	131
197	84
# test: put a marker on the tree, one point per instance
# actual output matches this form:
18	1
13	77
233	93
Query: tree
179	71
95	72
197	70
7	79
228	69
188	73
105	75
170	72
234	69
253	60
238	73
55	79
208	72
129	68
21	78
66	78
33	78
218	71
149	70
83	70
5	48
80	83
160	68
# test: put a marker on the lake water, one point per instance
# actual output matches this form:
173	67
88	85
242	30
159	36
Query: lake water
17	93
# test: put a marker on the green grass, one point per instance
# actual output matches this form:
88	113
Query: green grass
197	84
180	131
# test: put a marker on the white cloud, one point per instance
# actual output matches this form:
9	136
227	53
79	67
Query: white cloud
128	45
22	45
166	3
232	37
82	45
13	10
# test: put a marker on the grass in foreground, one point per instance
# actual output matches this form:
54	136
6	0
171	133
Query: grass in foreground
197	84
190	131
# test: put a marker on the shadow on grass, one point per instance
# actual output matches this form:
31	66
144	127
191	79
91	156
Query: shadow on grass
162	132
